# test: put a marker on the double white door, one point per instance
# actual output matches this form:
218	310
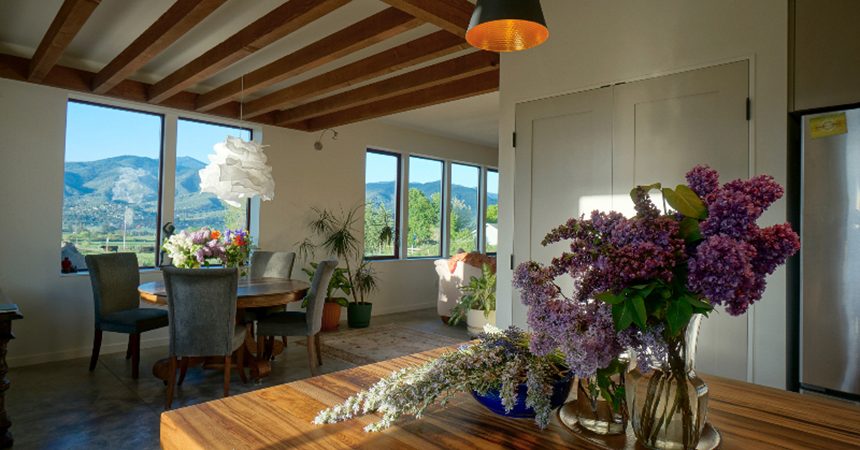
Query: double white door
586	151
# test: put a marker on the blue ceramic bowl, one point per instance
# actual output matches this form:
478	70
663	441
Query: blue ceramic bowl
493	402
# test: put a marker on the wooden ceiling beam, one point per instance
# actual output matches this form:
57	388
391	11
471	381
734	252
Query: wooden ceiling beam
468	87
441	73
15	68
278	23
363	34
173	24
450	15
427	48
70	19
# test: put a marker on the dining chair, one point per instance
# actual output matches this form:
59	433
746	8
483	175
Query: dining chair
304	323
269	265
202	308
115	278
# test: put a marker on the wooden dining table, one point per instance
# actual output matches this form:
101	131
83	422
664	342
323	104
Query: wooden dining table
252	293
747	415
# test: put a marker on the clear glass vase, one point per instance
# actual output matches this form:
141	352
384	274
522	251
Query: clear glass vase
668	406
594	413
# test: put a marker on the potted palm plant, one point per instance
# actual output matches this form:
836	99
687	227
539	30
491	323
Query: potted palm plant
333	305
478	306
337	235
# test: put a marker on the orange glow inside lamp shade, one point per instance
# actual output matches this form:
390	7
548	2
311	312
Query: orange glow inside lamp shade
507	25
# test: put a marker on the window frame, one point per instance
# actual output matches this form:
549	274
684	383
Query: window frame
443	235
486	196
398	203
162	131
176	155
168	141
481	188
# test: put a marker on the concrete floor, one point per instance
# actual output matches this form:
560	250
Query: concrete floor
61	405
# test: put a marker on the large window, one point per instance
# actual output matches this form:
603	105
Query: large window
464	207
193	209
492	225
425	208
382	195
111	187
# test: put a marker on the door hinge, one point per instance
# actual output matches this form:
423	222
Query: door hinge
515	139
749	109
512	261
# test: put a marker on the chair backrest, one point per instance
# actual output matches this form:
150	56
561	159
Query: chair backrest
316	294
272	264
201	307
115	278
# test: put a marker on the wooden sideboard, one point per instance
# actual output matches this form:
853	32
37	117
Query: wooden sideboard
748	416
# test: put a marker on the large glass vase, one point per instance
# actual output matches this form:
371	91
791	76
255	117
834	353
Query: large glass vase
669	405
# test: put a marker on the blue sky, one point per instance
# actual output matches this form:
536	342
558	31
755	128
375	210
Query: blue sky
98	132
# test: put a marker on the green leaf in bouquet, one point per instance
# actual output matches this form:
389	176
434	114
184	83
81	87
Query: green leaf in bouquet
641	315
686	202
622	315
678	313
690	231
609	298
647	189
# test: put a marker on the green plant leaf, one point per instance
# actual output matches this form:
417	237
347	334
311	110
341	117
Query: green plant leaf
648	189
341	301
686	202
698	303
678	313
690	230
622	315
641	316
609	298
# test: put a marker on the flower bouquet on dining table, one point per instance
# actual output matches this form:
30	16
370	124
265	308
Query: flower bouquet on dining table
200	248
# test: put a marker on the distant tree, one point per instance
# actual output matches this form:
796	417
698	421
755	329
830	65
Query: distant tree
376	217
493	214
234	218
423	218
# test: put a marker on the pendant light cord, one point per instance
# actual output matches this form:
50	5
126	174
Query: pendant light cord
242	101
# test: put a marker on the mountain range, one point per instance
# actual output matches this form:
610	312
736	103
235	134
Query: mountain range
384	191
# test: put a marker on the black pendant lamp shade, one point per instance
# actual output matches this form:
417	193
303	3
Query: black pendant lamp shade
507	25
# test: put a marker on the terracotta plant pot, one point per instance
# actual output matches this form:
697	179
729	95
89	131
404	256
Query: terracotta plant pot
359	315
330	316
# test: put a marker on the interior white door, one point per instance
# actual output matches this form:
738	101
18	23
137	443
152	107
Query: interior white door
563	164
663	127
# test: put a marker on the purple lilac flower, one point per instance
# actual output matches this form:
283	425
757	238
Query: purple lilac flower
773	246
648	345
722	273
703	181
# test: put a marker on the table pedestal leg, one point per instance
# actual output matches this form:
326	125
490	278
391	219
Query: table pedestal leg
6	440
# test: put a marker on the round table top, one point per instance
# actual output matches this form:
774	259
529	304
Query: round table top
253	292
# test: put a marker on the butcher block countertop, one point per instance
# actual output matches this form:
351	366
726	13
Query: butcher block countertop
748	416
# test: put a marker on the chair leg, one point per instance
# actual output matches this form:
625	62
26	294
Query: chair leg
97	345
312	360
240	363
227	376
183	369
318	343
128	350
135	355
284	340
270	347
171	382
261	346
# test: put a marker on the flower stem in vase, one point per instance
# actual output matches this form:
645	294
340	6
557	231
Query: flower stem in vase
669	404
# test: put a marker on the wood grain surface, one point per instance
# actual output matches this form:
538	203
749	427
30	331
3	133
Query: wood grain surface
253	292
748	417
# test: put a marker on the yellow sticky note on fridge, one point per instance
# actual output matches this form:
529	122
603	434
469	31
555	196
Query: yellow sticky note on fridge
829	125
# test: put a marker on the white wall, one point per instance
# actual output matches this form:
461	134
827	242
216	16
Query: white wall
58	309
594	43
334	177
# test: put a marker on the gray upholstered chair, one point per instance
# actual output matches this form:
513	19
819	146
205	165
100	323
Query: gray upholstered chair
269	265
304	324
202	308
115	278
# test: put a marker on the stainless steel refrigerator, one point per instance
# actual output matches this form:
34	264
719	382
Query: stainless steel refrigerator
830	256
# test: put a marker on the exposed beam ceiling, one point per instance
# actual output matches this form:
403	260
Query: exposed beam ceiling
451	15
455	90
178	20
15	68
444	72
69	20
363	34
432	46
280	22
